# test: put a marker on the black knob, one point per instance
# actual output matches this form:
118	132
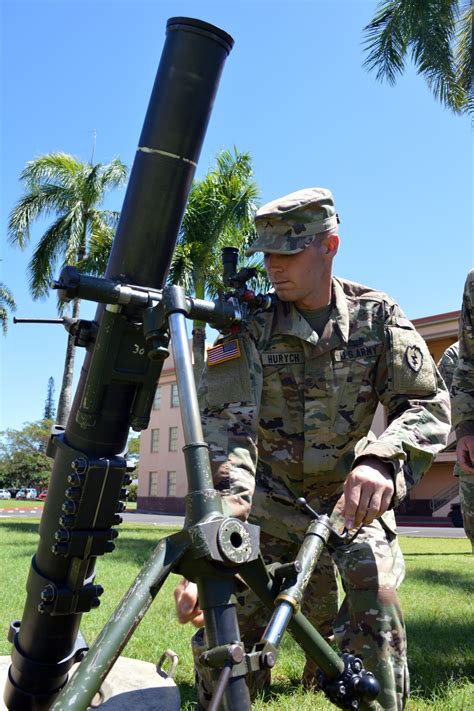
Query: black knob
80	465
69	507
73	492
367	687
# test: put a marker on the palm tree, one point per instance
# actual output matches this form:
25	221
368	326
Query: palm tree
219	213
59	184
7	303
437	35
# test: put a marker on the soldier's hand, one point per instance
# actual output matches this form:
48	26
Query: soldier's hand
186	601
465	453
368	491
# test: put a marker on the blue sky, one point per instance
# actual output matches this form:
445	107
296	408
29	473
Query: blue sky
293	93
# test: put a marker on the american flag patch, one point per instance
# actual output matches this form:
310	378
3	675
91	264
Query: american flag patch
223	352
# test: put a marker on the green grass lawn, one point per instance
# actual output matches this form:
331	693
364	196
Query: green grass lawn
437	597
19	503
29	504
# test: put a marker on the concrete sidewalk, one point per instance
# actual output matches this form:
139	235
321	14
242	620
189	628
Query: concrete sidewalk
132	685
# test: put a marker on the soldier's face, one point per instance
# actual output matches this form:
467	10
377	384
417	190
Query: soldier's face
303	278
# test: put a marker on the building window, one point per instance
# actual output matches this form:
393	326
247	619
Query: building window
173	439
174	395
153	484
157	400
171	484
155	440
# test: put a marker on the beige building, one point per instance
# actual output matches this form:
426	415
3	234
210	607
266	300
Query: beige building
162	483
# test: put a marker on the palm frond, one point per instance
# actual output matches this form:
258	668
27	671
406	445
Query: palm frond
42	200
6	297
102	227
51	247
260	284
432	28
59	184
110	218
181	269
219	213
7	303
385	42
114	175
52	167
97	179
437	35
3	319
90	186
464	55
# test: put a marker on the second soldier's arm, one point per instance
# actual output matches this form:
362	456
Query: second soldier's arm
463	381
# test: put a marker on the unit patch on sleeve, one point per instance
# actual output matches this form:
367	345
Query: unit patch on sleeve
414	358
223	352
412	369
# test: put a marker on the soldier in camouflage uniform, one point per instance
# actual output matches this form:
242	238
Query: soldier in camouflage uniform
462	396
447	365
287	407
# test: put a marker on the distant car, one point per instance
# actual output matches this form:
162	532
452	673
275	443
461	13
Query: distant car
43	495
30	494
4	494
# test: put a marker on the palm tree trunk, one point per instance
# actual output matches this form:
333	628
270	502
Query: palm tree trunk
65	397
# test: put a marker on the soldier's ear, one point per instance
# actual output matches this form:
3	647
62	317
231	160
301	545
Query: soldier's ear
332	243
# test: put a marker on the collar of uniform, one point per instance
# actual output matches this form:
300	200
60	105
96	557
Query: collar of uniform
291	323
341	311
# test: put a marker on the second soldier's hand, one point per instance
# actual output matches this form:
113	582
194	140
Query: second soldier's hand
465	453
187	606
368	491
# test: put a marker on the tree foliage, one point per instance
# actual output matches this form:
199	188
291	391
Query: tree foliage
60	186
133	447
69	191
7	303
219	214
438	37
49	408
23	460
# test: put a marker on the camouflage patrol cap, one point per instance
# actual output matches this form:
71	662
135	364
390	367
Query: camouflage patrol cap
289	224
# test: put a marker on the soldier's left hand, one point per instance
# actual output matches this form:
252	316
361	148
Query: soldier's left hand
368	491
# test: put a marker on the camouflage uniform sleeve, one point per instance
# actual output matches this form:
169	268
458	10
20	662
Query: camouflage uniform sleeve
447	365
416	401
229	398
463	380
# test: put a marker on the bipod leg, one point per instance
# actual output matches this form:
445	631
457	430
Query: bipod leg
103	653
225	653
256	576
343	679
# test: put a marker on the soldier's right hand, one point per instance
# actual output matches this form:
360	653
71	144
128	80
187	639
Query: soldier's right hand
186	601
465	453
